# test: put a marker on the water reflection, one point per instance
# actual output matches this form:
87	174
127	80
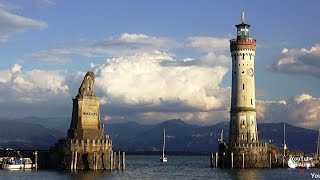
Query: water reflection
89	175
251	174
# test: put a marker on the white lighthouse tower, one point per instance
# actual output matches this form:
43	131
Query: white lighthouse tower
243	124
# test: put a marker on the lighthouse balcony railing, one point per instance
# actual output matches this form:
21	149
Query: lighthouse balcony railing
243	40
96	142
251	145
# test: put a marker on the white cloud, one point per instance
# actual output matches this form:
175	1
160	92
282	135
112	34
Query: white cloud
270	111
212	59
122	45
208	60
142	80
302	110
299	61
284	50
31	86
214	51
142	39
16	69
208	44
12	23
45	2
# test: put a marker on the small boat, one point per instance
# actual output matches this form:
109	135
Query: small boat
17	162
163	158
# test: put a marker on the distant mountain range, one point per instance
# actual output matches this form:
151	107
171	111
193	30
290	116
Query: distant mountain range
18	134
185	137
33	132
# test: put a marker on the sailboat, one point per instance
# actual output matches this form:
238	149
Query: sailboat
163	158
284	144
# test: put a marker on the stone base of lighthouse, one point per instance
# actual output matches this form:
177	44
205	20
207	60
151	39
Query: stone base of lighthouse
247	155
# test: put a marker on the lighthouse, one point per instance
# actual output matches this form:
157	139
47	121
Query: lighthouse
243	123
244	149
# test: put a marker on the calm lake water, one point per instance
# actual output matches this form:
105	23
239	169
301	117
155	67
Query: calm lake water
178	167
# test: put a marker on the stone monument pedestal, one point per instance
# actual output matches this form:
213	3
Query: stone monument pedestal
85	123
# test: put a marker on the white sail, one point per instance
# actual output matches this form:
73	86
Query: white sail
284	137
284	144
164	158
164	143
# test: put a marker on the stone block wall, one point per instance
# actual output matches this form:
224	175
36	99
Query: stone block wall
256	155
89	153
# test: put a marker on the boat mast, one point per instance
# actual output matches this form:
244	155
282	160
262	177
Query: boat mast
221	137
284	142
164	142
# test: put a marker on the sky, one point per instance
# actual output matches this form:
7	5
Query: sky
158	60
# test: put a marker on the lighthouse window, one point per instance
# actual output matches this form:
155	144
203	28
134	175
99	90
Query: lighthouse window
242	122
242	86
242	137
251	102
250	56
243	56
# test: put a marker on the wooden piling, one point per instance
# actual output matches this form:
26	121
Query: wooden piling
111	160
36	159
232	160
211	160
94	160
97	161
75	160
243	160
276	157
119	160
72	159
216	159
270	159
123	160
114	159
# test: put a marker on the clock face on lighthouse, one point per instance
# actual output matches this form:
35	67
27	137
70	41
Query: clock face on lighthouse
250	72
